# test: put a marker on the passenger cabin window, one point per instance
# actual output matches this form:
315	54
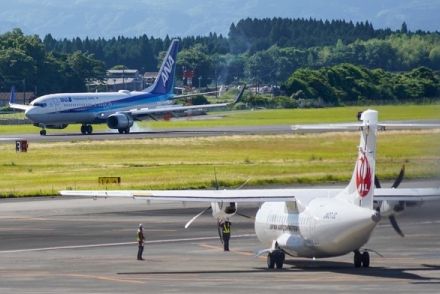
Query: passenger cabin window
40	104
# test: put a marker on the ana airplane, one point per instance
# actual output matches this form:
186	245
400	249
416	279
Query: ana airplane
117	109
313	223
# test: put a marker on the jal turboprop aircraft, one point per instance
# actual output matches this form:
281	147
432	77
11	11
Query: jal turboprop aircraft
313	223
117	109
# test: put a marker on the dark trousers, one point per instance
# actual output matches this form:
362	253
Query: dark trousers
226	237
140	251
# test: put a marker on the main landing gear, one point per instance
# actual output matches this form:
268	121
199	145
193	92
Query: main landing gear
275	258
43	132
86	129
124	131
361	259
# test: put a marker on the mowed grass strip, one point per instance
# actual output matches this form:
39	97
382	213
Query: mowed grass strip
182	163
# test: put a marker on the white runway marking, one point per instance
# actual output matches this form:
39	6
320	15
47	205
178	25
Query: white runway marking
121	244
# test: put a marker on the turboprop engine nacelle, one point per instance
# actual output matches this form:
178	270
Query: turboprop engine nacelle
119	121
222	210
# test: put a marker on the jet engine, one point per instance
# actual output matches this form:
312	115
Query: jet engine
120	121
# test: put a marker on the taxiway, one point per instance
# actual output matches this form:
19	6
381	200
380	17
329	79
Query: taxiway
86	246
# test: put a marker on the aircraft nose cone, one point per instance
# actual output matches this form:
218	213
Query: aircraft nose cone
31	113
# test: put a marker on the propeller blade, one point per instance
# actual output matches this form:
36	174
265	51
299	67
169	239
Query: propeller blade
244	184
377	182
399	178
196	216
393	222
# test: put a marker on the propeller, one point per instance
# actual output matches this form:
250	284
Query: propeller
396	227
232	205
398	207
196	216
399	178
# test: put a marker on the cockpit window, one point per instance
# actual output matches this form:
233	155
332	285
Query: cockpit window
40	104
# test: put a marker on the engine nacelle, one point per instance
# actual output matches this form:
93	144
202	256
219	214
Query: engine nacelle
221	210
119	121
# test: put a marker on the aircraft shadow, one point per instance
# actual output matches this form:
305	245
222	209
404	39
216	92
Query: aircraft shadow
255	270
348	268
321	266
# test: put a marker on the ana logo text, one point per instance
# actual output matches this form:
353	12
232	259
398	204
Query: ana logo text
167	70
363	176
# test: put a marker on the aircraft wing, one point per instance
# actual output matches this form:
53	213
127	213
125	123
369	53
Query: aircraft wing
407	194
255	195
245	195
192	95
357	126
171	108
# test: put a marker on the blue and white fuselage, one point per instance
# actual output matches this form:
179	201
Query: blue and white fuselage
89	108
117	109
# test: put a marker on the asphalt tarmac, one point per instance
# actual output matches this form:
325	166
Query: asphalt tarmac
84	246
138	132
141	134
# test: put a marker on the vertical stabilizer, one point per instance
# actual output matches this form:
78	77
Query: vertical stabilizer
164	82
360	190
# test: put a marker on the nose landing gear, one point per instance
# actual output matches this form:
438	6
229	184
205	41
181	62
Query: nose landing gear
275	258
86	129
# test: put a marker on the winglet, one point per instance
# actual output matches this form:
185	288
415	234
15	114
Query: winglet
239	95
12	96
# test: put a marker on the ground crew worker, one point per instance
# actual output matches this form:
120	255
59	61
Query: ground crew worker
226	233
140	239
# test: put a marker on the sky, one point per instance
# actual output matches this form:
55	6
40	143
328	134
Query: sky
179	18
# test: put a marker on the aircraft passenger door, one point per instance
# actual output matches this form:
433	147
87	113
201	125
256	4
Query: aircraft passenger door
56	104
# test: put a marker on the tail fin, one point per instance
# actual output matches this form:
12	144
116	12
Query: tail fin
164	82
360	190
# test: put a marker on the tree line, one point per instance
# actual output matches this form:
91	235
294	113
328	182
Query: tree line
25	63
259	51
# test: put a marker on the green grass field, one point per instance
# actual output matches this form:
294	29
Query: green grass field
190	162
268	117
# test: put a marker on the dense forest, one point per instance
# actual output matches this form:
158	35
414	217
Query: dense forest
279	51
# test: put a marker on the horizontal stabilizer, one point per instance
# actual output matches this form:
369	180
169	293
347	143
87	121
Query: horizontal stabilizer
357	126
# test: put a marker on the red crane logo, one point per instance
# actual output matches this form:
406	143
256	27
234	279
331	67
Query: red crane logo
363	176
